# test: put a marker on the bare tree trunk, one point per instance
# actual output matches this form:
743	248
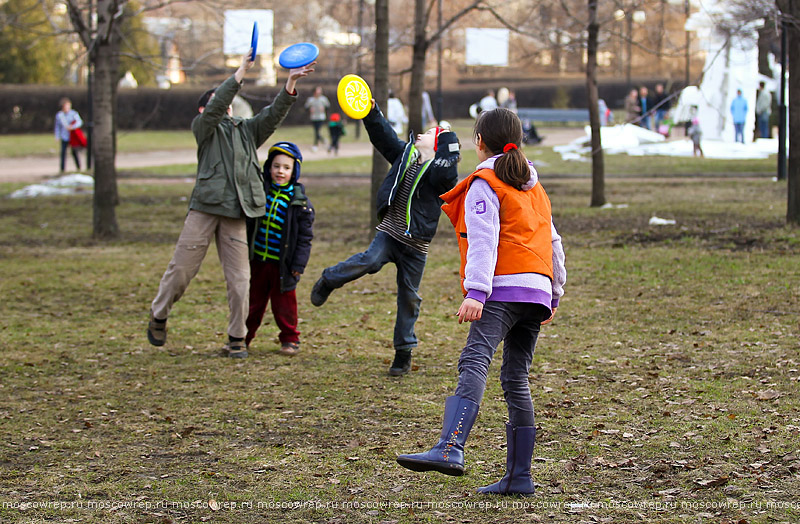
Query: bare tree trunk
420	51
598	164
793	172
381	93
661	30
105	174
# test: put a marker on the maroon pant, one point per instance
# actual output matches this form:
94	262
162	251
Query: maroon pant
265	286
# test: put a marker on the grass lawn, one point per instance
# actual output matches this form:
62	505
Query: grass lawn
548	161
44	144
666	389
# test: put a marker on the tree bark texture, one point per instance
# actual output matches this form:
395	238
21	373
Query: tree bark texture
380	92
793	169
790	14
598	164
105	55
419	55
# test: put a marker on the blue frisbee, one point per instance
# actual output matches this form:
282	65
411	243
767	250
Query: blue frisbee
254	42
298	55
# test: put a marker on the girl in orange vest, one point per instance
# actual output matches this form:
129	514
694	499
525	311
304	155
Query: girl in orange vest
512	275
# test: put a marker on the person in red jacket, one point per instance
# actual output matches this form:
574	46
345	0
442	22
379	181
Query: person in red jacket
512	274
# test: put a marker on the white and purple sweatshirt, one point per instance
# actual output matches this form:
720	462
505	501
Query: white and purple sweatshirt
482	217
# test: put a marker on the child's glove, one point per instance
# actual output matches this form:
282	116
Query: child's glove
448	149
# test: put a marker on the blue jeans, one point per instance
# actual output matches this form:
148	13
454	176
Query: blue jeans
739	132
660	114
517	325
763	125
410	265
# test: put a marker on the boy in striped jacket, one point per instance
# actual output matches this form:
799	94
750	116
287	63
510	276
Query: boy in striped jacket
280	245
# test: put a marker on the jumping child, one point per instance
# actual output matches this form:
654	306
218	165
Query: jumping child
408	209
512	275
280	244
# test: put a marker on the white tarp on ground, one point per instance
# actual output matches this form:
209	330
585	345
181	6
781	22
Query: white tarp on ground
636	141
65	185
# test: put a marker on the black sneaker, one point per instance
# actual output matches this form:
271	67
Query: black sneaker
235	349
156	331
401	364
320	292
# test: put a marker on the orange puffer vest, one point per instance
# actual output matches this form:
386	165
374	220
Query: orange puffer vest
525	240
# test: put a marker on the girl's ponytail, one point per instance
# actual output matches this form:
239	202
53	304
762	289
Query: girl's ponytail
501	132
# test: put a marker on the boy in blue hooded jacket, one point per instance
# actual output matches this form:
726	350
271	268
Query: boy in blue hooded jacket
280	245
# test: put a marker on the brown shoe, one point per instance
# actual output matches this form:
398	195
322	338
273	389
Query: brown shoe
156	331
289	349
235	349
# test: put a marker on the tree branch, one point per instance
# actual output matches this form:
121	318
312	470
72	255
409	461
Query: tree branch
446	24
79	24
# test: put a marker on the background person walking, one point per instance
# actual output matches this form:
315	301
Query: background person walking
317	106
67	120
763	110
739	114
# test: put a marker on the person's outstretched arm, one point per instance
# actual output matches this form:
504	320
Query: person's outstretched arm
270	118
204	124
381	134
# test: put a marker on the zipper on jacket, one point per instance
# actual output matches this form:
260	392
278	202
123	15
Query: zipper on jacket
409	154
411	194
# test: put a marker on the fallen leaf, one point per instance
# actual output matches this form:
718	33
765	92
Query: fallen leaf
712	483
767	394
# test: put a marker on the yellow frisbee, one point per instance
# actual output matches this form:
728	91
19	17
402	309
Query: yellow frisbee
354	96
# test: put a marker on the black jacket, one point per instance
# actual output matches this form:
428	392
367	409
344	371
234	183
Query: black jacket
438	178
296	247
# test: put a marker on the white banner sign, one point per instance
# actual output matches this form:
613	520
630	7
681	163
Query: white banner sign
487	46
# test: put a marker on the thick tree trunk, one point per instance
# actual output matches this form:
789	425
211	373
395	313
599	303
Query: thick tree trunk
105	174
380	92
793	170
415	89
598	164
420	50
790	17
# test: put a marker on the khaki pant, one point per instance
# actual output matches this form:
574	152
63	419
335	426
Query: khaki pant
230	234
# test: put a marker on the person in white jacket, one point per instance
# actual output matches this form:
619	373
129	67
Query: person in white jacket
396	114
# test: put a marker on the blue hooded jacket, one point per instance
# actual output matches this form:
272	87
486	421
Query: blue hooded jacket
739	110
296	246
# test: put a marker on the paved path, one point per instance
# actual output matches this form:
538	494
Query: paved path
34	169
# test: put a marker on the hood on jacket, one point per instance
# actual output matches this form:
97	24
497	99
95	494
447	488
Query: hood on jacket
489	164
289	149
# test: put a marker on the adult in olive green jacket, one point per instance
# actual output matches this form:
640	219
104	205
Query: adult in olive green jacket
229	188
229	181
